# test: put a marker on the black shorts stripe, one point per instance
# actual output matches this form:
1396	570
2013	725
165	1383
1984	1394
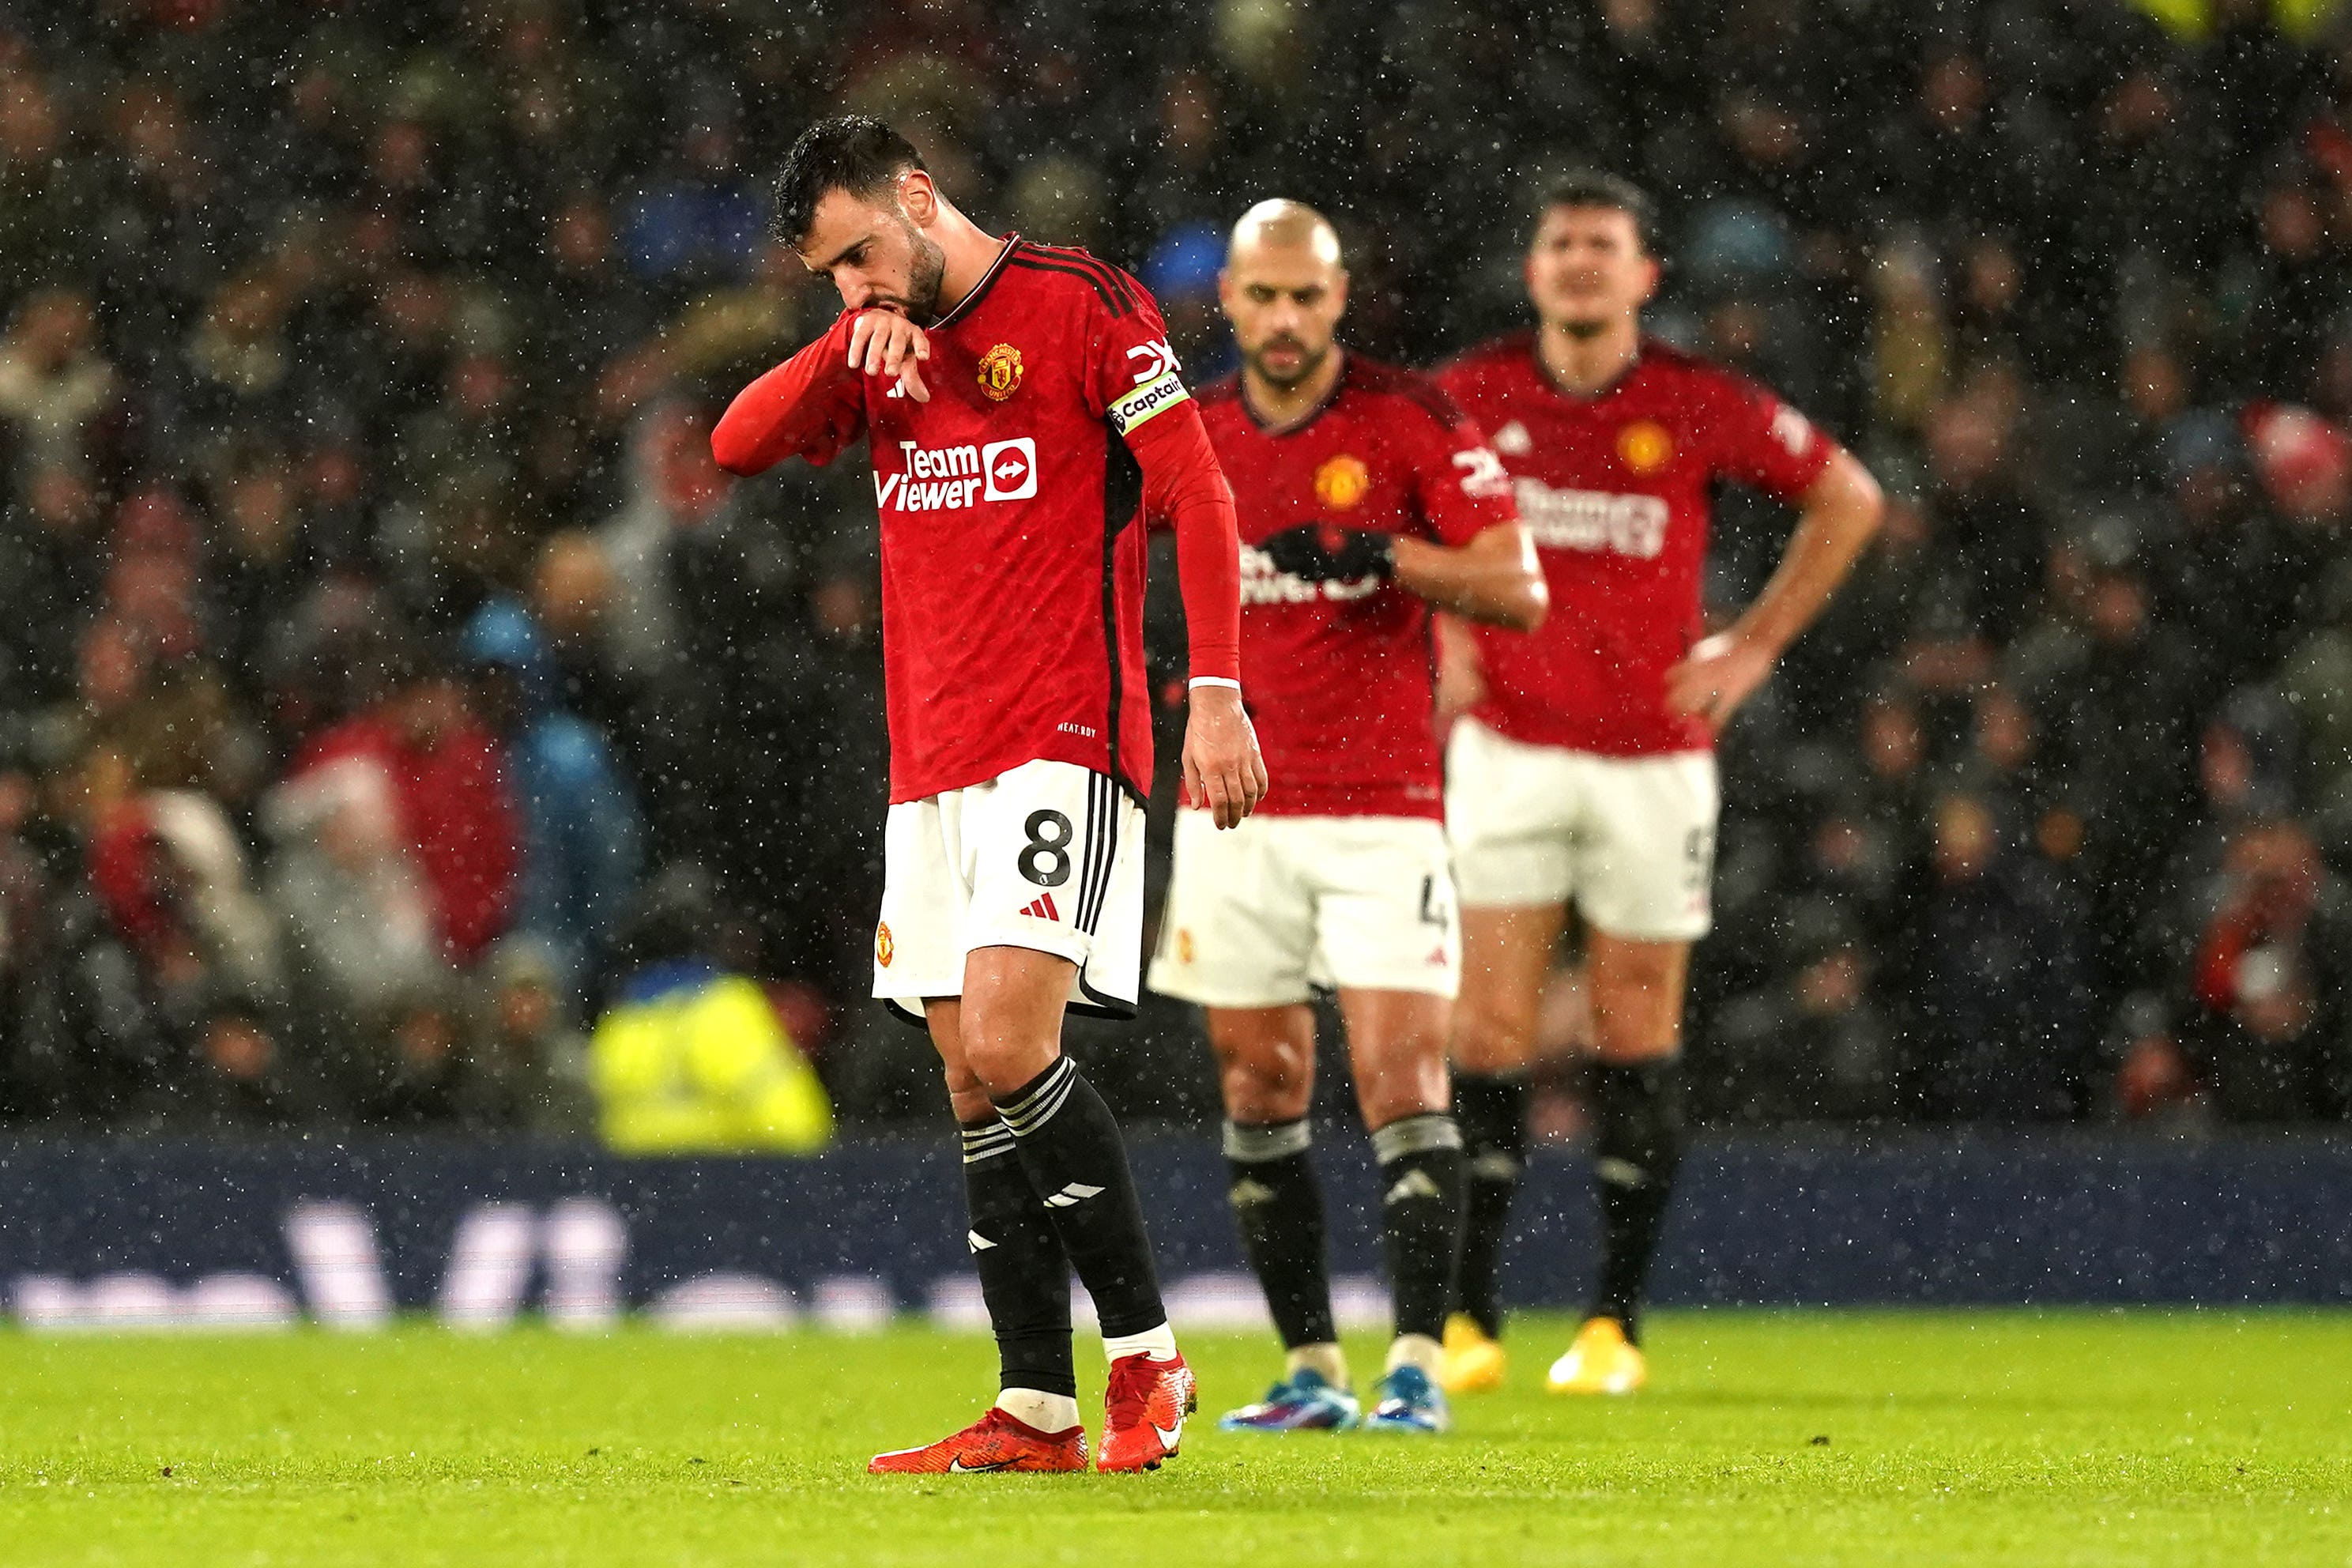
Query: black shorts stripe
1120	283
1102	290
1112	805
1102	850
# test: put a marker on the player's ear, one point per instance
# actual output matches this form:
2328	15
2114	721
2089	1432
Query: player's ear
1653	273
917	198
1225	291
1338	292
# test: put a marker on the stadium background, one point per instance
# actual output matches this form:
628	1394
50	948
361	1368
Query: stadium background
357	361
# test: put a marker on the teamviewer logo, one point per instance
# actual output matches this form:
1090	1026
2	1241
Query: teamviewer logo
1011	468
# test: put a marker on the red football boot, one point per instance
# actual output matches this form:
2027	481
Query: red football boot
1144	1409
994	1442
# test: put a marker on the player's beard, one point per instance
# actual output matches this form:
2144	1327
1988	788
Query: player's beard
1308	363
927	266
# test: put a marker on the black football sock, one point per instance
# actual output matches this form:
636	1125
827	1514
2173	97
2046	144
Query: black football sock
1637	1143
1493	1113
1278	1206
1069	1145
1025	1275
1421	1215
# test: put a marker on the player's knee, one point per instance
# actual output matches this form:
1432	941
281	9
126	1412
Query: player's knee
1491	1034
1636	1016
1001	1063
1401	1090
1265	1086
1637	1028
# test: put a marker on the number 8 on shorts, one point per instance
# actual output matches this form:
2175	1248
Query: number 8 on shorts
1047	856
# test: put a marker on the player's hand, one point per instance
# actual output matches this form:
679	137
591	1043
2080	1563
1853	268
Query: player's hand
884	342
1722	672
1223	768
1320	552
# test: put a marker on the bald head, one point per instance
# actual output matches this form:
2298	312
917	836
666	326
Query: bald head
1284	291
1279	225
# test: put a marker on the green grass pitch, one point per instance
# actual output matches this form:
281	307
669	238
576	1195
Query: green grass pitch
1816	1438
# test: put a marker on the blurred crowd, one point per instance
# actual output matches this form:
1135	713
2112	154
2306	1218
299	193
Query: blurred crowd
398	709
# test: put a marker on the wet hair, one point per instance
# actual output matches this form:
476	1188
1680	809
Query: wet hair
1589	188
853	152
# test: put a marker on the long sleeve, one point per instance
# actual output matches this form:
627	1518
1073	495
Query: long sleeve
809	406
1183	483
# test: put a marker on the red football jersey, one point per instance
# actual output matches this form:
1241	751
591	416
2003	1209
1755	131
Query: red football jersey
1012	554
1614	488
1337	675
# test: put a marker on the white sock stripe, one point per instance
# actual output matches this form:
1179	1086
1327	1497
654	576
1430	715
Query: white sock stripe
1035	1119
1415	1135
1011	1110
1033	1113
997	1137
1254	1145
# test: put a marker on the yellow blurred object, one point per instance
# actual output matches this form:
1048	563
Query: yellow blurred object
1601	1361
2299	19
1474	1364
704	1066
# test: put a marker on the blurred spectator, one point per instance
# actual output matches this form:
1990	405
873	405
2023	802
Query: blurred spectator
1998	1010
582	835
690	1059
2269	980
59	399
529	1064
455	812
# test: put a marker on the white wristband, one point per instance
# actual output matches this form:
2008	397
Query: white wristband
1212	680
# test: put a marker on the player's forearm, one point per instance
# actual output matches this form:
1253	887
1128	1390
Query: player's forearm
797	409
1494	578
1183	483
1841	511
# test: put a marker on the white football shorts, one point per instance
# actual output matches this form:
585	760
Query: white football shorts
1262	914
1630	839
1048	855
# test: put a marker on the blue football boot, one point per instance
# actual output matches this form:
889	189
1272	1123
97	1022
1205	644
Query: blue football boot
1409	1402
1300	1403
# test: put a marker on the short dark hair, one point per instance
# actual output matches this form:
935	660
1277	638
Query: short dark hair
853	152
1589	188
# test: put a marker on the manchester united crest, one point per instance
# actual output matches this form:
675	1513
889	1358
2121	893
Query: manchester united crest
1184	945
1000	372
1342	482
1644	446
884	949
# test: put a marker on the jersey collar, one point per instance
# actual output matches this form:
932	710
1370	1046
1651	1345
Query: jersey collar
1339	383
987	281
1543	370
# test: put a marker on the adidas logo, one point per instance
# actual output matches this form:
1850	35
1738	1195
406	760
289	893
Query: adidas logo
1043	908
1249	1190
977	1242
1512	441
1076	1192
1412	1185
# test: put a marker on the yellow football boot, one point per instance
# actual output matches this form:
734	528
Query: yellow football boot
1474	1364
1601	1361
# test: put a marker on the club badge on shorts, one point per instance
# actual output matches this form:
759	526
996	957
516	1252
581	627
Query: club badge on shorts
1000	372
883	947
